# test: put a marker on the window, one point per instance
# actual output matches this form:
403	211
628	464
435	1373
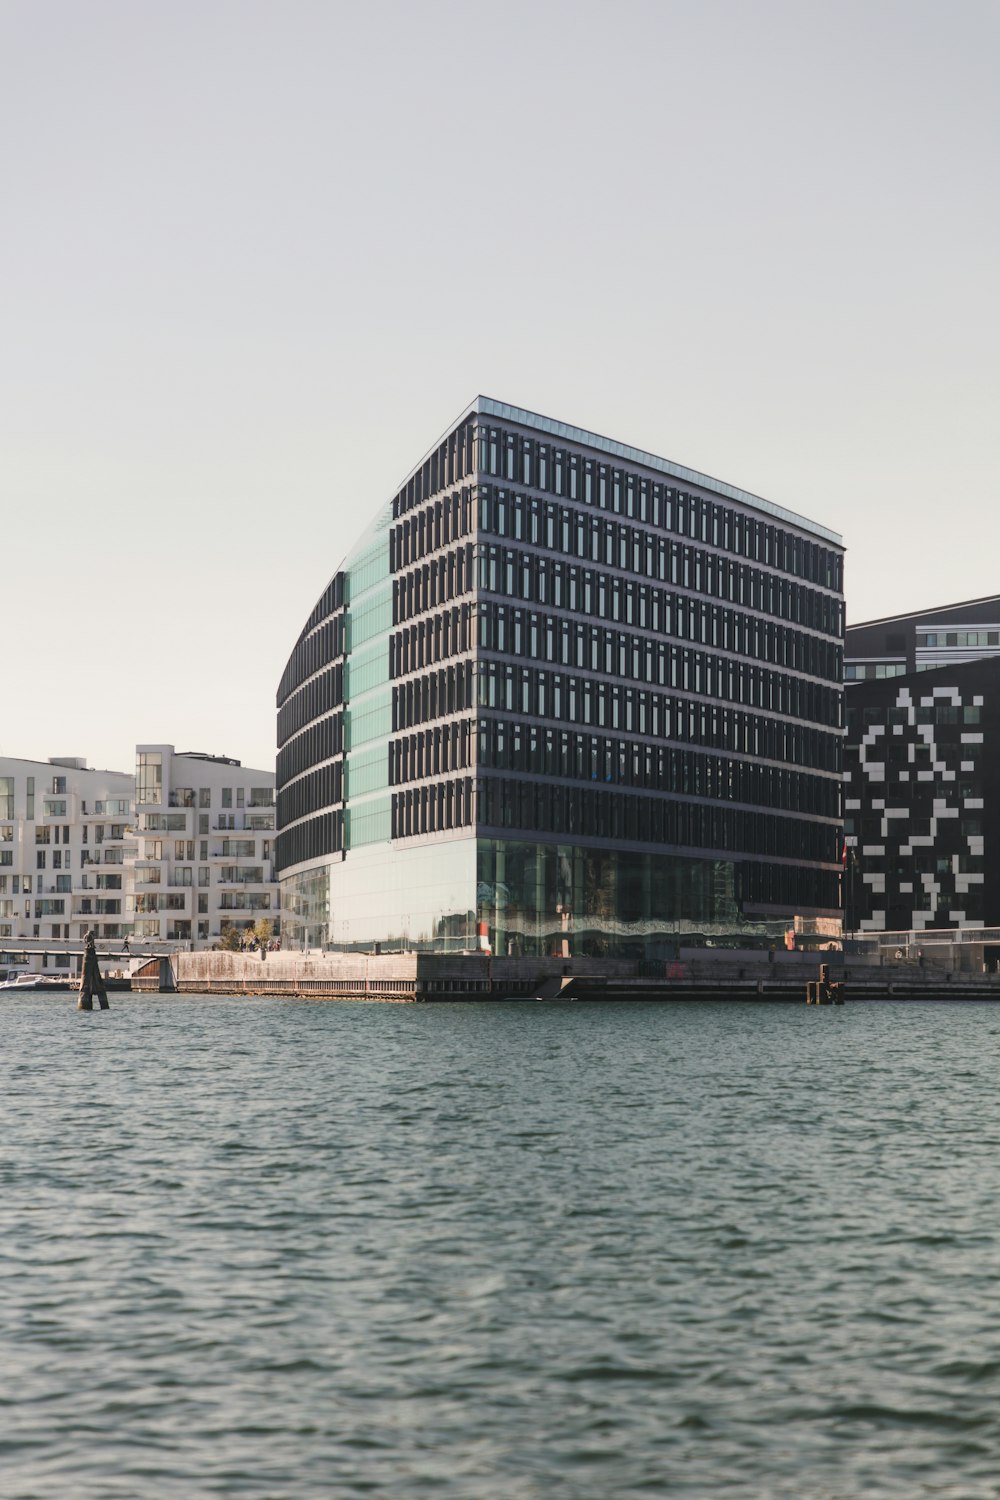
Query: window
149	777
204	796
227	796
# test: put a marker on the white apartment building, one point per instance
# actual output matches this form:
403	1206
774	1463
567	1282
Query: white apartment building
205	833
66	851
171	855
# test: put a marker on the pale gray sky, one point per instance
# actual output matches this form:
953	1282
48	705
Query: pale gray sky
254	258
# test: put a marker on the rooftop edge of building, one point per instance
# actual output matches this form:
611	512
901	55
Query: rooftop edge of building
522	417
923	614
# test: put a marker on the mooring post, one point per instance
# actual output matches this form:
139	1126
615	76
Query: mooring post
91	982
824	991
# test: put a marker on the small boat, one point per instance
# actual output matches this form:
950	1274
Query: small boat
33	982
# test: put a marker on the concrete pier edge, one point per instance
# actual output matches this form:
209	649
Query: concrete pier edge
414	977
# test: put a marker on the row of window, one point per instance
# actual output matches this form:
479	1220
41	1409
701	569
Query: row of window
647	660
958	638
322	787
63	858
544	579
320	835
313	651
639	553
515	631
313	699
767	886
532	807
871	671
431	752
438	582
544	751
447	691
938	712
430	529
432	809
951	834
319	742
431	639
525	632
536	464
150	901
610	705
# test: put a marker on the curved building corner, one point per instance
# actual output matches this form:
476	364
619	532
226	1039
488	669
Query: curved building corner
565	697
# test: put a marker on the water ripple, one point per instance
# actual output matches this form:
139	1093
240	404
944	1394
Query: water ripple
520	1252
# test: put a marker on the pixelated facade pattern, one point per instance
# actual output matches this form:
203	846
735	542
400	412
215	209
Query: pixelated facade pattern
917	786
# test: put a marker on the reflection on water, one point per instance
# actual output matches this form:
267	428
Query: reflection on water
301	1250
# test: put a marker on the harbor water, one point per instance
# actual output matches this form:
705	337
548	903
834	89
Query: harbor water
526	1251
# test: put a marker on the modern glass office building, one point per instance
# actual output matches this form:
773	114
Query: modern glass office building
565	697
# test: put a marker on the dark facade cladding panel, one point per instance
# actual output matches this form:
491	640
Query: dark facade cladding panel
317	789
922	800
449	519
507	744
433	696
553	583
317	696
904	643
316	837
580	645
433	583
321	646
593	814
568	699
438	808
311	747
431	639
640	552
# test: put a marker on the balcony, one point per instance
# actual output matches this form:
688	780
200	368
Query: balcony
245	901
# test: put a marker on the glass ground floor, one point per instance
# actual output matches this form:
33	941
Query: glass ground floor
527	899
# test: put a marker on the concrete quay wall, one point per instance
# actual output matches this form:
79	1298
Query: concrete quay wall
410	977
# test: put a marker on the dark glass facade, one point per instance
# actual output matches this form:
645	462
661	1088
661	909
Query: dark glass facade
565	697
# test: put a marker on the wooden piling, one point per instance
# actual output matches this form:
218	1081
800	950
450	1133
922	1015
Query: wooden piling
824	990
91	981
